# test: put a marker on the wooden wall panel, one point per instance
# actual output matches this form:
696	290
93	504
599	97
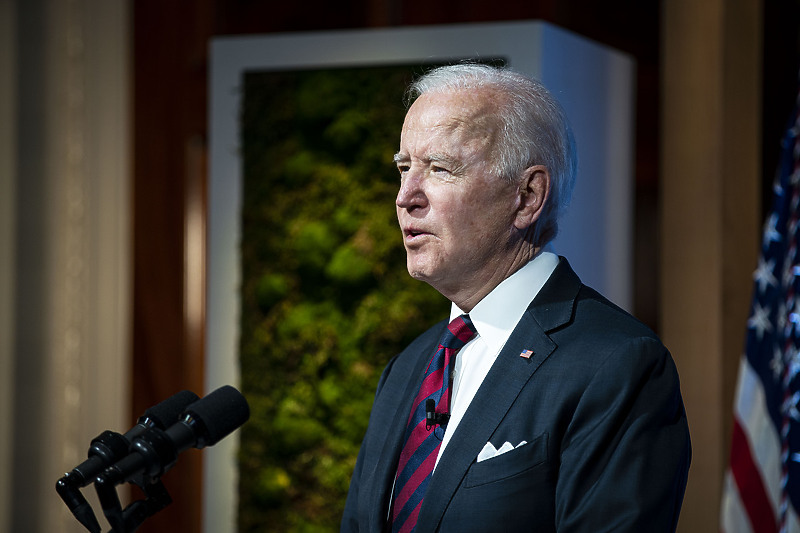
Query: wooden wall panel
710	220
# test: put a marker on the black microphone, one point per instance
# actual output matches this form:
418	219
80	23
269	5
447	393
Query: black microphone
203	423
433	418
109	447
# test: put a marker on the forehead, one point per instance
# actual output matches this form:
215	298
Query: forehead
460	115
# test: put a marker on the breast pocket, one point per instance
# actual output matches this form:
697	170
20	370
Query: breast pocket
508	464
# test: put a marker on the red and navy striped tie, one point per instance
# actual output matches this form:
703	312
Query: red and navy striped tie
421	445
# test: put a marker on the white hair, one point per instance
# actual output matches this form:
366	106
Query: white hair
534	127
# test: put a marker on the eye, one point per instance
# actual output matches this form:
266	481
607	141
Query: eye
403	168
438	169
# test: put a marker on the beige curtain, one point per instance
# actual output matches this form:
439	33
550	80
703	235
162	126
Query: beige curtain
64	246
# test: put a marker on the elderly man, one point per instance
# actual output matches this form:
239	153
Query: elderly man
541	406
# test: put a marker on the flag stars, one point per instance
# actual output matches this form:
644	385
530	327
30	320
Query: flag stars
794	365
764	274
781	320
760	321
771	233
776	363
790	407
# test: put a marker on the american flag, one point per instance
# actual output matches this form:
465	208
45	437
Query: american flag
762	482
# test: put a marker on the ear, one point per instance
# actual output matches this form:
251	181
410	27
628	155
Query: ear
534	190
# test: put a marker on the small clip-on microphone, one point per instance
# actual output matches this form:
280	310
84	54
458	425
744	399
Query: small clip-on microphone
433	418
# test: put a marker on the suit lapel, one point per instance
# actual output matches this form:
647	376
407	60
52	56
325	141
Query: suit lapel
384	471
386	465
551	308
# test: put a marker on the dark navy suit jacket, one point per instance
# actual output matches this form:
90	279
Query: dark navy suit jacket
598	403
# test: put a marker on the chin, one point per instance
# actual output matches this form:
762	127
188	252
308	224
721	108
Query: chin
418	272
425	268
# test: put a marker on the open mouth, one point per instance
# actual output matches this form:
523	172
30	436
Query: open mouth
411	233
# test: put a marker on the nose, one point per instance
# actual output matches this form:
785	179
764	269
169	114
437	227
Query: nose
411	194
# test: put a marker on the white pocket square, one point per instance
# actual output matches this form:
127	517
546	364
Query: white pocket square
490	451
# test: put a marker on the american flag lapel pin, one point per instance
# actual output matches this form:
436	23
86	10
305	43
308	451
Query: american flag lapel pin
526	354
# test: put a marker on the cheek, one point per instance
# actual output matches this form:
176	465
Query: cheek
484	214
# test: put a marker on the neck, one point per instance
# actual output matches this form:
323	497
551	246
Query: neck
467	295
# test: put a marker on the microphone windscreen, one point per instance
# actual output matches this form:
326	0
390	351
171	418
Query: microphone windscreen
169	411
220	412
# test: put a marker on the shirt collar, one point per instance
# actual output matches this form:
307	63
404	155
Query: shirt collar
496	316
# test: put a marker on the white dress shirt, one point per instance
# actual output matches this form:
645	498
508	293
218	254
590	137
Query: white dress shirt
495	318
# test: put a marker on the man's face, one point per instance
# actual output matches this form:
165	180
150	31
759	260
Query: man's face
457	217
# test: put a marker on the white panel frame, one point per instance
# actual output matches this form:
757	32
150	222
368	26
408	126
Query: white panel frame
594	84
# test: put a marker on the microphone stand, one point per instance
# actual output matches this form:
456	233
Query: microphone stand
121	520
156	452
129	519
108	445
69	490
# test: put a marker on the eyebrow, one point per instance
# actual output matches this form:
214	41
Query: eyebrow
455	166
443	158
402	157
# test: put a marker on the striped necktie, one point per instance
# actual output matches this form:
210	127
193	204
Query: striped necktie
421	445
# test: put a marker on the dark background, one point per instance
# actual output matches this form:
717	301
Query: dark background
170	58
